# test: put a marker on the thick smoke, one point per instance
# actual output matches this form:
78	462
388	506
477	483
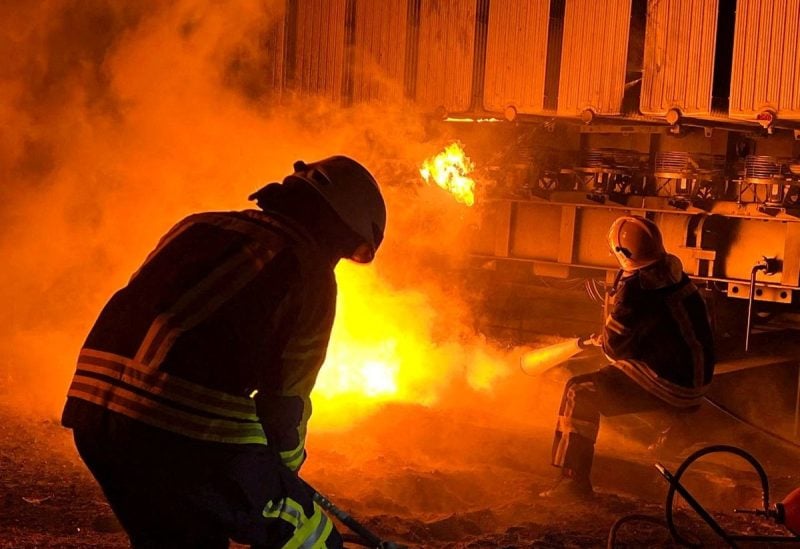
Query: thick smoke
123	117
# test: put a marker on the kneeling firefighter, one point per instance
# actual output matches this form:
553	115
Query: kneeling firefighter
191	396
659	341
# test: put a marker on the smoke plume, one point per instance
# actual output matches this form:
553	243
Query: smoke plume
123	117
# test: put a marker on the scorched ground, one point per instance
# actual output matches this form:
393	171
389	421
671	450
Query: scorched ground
449	476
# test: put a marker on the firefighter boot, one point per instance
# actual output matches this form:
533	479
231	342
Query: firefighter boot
570	486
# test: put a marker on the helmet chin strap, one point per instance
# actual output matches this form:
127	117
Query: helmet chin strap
624	251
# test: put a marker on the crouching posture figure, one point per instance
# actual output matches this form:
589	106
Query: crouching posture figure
191	396
658	339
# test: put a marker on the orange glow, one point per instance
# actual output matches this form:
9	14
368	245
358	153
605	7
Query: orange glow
378	349
450	170
478	120
169	141
538	361
386	349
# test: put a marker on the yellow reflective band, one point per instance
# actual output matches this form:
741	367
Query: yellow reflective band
287	510
616	326
684	321
263	236
313	533
199	303
671	393
294	458
254	229
584	428
173	387
195	397
320	536
154	413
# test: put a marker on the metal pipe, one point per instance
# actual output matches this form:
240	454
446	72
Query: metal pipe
369	538
757	267
770	265
347	520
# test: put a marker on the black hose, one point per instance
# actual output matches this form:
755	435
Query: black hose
673	487
370	539
612	534
674	483
355	540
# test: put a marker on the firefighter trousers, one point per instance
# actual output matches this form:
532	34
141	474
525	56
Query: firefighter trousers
173	492
607	392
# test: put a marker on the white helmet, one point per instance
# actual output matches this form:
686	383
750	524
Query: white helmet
636	242
353	194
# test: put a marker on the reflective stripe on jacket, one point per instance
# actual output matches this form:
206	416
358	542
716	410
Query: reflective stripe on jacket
164	401
229	305
661	338
310	532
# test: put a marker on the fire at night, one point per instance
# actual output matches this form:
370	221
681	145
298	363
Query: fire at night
346	273
450	170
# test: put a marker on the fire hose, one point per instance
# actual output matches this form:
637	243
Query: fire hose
364	536
786	513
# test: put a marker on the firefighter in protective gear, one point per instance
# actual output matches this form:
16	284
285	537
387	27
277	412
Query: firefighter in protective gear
658	340
191	396
636	243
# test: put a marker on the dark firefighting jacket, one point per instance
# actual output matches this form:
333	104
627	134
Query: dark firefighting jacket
218	337
659	334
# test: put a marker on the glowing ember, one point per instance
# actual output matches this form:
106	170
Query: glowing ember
450	170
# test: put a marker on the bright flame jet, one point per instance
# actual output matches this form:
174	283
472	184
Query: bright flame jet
450	170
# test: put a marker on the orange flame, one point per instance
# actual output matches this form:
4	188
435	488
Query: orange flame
383	350
450	170
376	354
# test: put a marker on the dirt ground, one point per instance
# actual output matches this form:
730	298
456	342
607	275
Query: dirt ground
448	477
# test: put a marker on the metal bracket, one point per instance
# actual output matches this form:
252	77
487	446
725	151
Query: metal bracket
763	293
